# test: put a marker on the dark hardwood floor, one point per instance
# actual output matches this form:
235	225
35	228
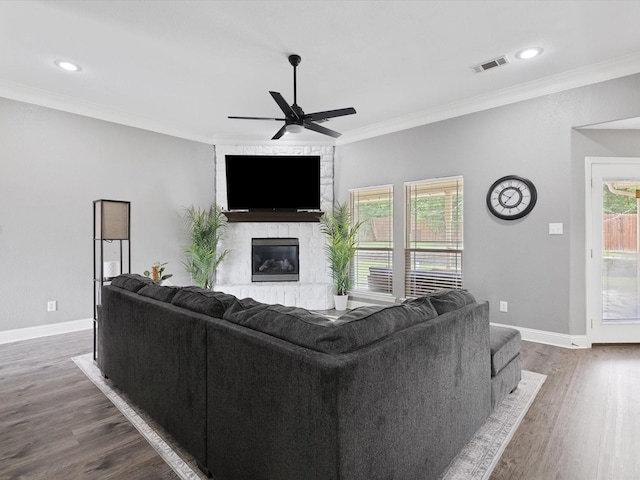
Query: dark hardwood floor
55	424
585	422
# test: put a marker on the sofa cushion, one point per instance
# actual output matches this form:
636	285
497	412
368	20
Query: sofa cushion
423	303
203	301
158	292
353	330
131	281
448	300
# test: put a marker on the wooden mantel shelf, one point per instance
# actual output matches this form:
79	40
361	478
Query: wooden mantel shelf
273	216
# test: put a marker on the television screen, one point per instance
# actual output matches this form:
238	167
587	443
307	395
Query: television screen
273	182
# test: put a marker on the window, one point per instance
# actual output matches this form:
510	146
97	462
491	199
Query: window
433	245
372	267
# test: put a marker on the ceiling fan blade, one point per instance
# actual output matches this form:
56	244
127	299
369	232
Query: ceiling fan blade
321	129
295	116
284	106
318	116
280	133
258	118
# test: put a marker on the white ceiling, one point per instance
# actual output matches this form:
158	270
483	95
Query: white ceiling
181	67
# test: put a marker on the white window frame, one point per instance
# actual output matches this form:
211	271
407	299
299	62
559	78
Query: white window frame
441	258
366	281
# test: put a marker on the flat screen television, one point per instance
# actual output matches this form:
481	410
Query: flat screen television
277	183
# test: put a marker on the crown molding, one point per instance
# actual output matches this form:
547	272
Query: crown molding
65	103
609	70
604	71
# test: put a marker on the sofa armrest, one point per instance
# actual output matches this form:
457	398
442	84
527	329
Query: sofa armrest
156	353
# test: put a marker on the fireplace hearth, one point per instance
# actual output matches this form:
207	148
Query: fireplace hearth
275	260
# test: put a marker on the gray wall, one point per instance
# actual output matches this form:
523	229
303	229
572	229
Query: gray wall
52	166
541	276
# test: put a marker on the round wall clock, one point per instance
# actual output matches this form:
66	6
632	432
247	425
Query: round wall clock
511	197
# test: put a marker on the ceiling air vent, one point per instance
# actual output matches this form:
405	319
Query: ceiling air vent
496	62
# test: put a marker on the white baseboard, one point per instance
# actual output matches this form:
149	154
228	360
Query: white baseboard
550	338
9	336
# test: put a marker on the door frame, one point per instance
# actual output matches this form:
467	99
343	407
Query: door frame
591	312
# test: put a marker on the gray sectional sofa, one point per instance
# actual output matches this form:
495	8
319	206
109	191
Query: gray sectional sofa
267	392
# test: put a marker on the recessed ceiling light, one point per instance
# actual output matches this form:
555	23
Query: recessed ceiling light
68	66
528	53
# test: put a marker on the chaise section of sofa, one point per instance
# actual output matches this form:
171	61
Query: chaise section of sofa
506	371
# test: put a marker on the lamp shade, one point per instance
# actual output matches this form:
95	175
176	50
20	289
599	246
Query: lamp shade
112	219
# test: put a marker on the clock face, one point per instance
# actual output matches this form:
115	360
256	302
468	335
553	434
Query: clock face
511	197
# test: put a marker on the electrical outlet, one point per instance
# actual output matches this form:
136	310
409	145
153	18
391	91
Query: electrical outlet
555	229
52	306
504	306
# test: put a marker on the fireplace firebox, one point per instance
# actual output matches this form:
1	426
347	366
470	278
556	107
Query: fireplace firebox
275	260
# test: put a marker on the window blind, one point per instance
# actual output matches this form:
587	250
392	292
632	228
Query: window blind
372	266
434	245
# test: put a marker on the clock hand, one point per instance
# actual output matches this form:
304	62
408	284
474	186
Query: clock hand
506	197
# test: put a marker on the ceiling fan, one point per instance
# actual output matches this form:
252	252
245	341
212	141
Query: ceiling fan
295	120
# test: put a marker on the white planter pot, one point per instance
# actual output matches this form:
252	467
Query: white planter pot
341	301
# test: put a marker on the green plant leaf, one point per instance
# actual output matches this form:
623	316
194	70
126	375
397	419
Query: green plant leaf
206	229
341	246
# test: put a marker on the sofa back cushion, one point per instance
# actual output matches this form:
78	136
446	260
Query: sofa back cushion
355	329
203	301
423	303
131	282
158	292
448	300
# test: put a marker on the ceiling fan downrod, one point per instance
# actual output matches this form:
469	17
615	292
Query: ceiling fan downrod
295	60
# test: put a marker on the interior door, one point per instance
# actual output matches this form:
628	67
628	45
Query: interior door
613	250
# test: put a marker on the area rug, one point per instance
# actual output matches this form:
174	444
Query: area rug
475	462
180	462
479	457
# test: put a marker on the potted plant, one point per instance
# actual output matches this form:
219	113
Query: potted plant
340	248
206	227
157	273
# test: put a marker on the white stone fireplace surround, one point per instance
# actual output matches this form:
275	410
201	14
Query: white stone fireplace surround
314	290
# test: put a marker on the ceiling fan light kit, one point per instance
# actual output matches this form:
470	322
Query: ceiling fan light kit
294	128
295	120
